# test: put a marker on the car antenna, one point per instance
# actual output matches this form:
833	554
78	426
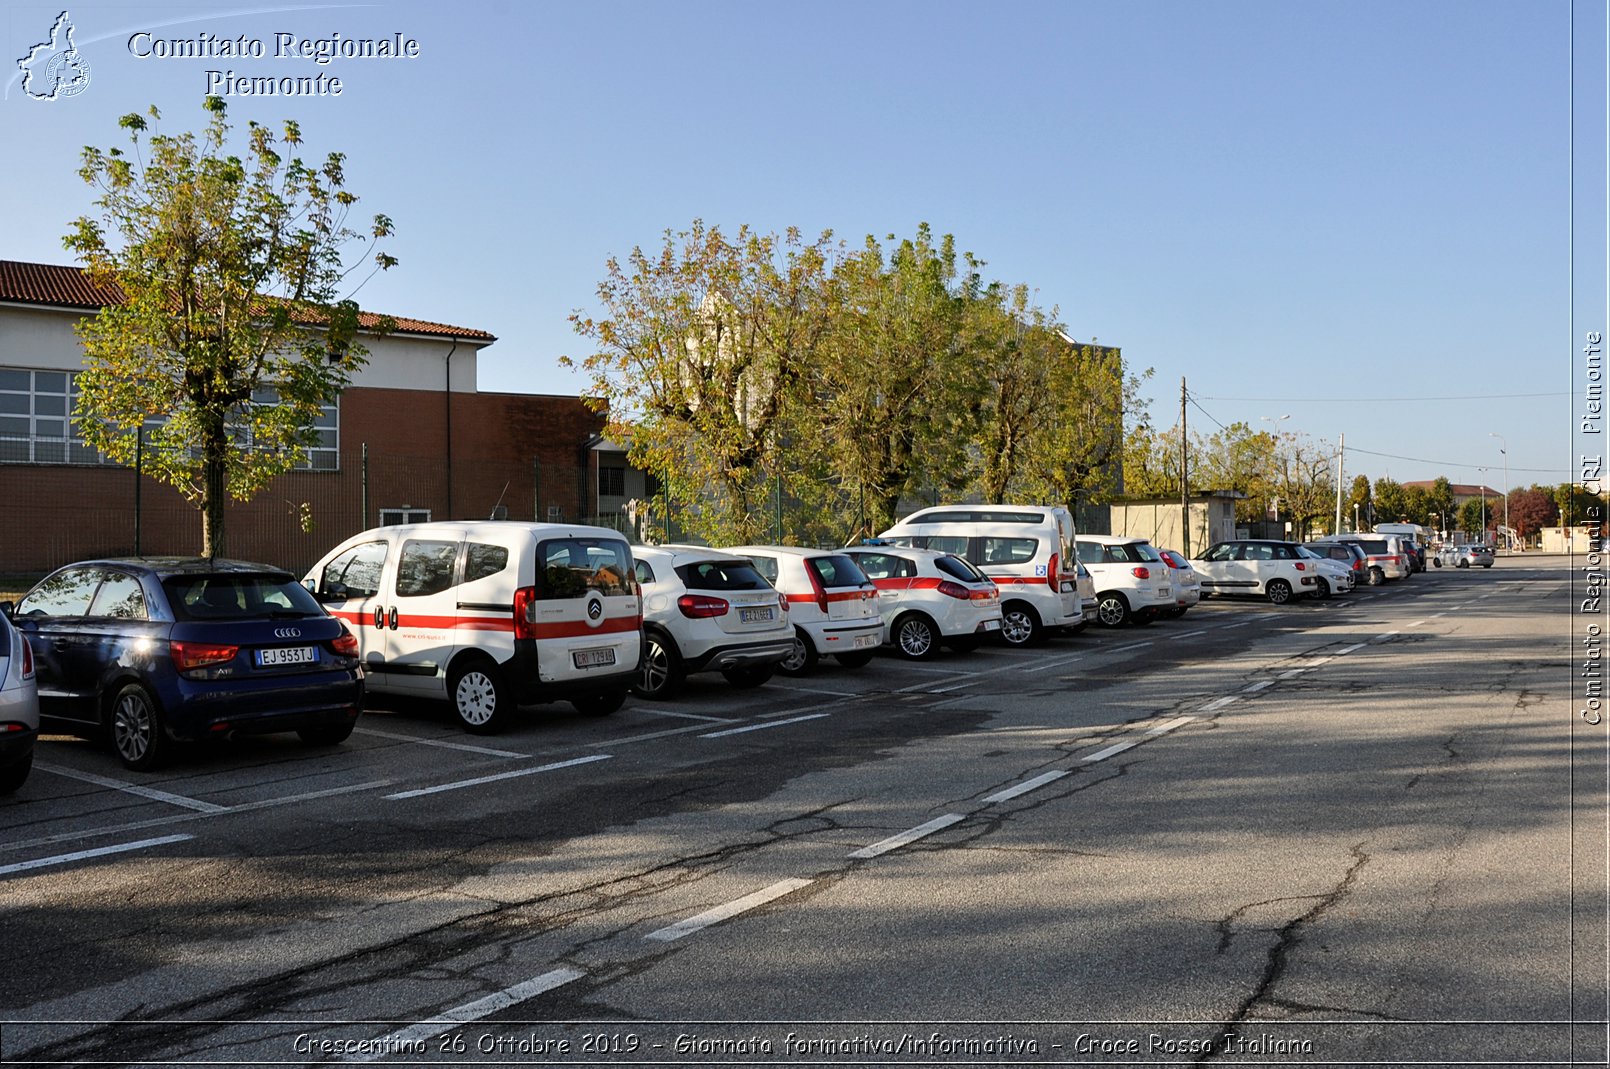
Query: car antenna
499	505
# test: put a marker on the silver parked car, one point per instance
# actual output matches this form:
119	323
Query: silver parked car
19	705
1464	556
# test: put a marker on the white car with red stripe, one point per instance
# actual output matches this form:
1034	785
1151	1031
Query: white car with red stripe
1026	549
831	603
489	615
928	599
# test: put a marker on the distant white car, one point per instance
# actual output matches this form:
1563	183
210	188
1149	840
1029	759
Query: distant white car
1187	585
1260	567
928	598
832	605
19	706
1133	583
706	611
1333	577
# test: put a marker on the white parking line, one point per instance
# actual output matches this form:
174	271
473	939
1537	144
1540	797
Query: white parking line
1383	636
693	716
83	855
1132	646
963	680
1055	663
1415	623
477	781
133	788
1179	722
910	835
399	737
1350	649
1220	703
1192	634
470	1011
814	690
1292	674
1434	615
1026	786
1253	688
728	910
1111	751
1238	623
763	727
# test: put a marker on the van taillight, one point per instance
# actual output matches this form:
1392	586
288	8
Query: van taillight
699	607
1053	574
1141	572
190	656
524	598
954	590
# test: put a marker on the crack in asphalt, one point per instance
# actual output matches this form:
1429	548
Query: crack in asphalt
1288	937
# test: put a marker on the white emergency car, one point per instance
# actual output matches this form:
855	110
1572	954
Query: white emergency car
1026	549
928	598
489	615
831	603
705	610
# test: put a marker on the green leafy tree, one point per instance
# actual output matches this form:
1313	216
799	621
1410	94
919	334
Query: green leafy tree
1440	500
701	351
231	332
1305	481
1391	503
1358	501
1476	516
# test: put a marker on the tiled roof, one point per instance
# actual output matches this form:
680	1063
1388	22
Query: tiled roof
70	287
1458	489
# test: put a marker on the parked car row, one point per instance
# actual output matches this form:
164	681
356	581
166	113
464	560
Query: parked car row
486	616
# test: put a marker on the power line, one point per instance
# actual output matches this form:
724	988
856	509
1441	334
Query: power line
1452	464
1376	400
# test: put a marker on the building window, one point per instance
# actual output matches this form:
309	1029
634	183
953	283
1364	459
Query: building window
611	481
395	517
37	424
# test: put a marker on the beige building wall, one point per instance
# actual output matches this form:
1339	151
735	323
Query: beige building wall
1212	519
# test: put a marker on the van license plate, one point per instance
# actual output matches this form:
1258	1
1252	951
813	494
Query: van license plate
593	658
755	616
287	655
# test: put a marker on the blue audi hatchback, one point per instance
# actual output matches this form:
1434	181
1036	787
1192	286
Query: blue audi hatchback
152	651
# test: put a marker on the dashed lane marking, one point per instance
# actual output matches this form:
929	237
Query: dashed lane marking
910	835
85	855
1026	786
478	780
132	788
692	716
728	910
1383	636
1132	646
1253	688
1350	649
763	727
815	690
470	1011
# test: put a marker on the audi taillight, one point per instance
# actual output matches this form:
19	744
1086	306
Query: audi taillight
700	607
1141	572
954	590
345	644
194	656
525	599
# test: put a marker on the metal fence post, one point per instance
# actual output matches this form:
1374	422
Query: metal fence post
363	492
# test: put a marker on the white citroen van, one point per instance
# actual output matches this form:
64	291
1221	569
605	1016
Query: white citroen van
488	615
1026	549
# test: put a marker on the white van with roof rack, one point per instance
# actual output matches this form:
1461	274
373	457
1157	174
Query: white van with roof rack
1026	549
489	614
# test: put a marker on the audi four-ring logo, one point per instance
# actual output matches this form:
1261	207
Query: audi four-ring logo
287	632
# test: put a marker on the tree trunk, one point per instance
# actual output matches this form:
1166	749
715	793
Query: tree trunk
215	490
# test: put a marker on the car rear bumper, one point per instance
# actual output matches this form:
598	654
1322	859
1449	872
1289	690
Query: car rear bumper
748	655
206	708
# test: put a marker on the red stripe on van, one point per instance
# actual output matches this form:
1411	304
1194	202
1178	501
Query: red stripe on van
579	628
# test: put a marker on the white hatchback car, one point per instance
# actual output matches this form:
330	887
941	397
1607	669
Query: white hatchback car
1267	568
928	598
1187	586
1133	583
831	603
706	611
1333	577
19	706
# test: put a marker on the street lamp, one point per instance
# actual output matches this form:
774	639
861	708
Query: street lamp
1505	451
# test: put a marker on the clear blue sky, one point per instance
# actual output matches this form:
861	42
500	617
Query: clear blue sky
1281	202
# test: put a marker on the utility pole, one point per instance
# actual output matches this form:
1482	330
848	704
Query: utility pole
1341	462
1185	480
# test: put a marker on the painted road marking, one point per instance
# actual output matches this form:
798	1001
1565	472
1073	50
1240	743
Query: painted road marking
133	788
1111	751
1191	634
1350	649
693	716
910	835
1292	674
729	910
440	743
1254	688
1132	646
1026	786
470	1011
763	727
1383	636
84	855
477	781
814	690
1220	703
1415	623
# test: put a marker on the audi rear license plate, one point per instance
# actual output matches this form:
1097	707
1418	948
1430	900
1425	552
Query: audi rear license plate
593	658
278	655
755	616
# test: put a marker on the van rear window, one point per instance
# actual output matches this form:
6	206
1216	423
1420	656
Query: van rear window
569	567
